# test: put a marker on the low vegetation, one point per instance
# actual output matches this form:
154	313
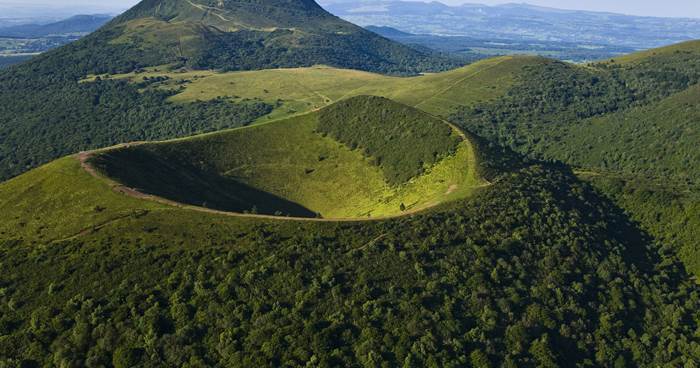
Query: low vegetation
297	90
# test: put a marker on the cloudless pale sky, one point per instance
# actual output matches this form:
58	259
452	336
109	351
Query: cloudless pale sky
671	8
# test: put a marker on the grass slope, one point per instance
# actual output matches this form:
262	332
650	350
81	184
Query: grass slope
303	89
295	164
61	200
692	47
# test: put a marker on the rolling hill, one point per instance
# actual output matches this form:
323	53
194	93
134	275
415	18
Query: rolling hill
297	90
634	114
161	103
310	162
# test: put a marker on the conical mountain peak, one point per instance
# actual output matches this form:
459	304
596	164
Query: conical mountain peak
232	15
251	34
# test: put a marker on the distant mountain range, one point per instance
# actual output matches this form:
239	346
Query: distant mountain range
468	32
518	22
23	38
51	10
471	48
75	25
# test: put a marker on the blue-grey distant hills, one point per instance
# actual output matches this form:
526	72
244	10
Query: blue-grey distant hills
76	25
22	39
472	48
518	22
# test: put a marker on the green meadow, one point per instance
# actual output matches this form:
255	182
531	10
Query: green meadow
298	90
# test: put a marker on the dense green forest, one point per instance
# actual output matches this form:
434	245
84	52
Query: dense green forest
536	271
630	124
245	51
401	140
612	116
6	61
40	125
671	213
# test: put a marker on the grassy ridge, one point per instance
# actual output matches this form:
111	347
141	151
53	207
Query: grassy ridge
290	160
399	139
692	47
303	89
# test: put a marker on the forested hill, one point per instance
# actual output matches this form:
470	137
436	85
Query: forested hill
45	112
620	115
537	270
247	35
630	125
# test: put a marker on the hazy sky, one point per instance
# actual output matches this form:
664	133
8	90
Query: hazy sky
674	8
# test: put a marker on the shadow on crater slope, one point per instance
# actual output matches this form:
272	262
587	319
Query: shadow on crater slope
365	157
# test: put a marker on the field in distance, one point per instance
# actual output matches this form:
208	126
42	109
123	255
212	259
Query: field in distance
297	90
